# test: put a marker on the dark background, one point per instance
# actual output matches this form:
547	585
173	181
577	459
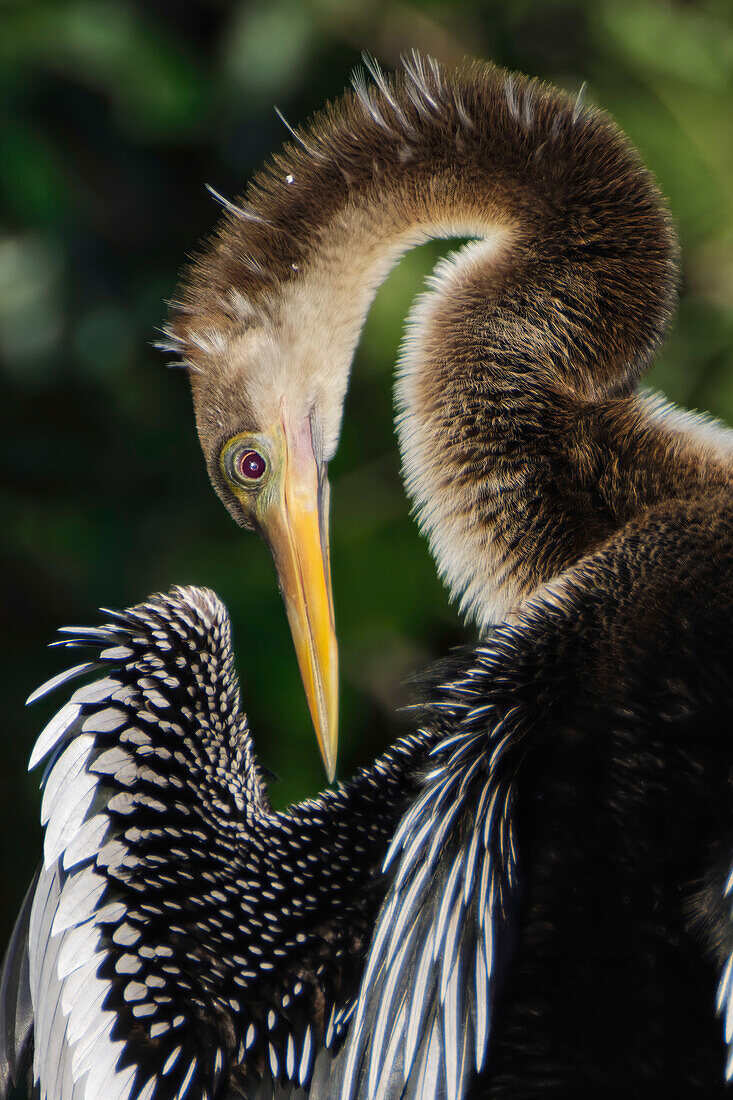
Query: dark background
113	115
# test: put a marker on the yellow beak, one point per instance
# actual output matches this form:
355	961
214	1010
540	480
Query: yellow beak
295	525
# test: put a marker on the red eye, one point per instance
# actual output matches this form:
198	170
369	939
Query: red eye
251	464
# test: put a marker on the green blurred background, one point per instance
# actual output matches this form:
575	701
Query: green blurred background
113	115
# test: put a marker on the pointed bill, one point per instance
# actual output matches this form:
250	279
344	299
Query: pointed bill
295	524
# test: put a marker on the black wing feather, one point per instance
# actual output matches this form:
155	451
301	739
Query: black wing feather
193	941
16	1008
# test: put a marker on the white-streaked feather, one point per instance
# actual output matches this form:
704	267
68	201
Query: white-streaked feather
77	950
87	842
724	986
482	969
724	1008
65	771
430	968
449	958
59	680
59	727
306	1056
384	1015
97	691
429	1077
383	1090
74	1055
452	1033
445	908
68	816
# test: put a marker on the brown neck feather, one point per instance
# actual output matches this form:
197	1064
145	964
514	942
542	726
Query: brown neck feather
517	381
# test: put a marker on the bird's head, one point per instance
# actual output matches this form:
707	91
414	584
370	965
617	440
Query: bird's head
268	421
266	321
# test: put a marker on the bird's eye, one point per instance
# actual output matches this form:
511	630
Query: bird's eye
250	465
246	463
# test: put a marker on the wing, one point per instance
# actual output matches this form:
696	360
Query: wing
711	915
185	940
422	1024
16	1009
724	1002
618	672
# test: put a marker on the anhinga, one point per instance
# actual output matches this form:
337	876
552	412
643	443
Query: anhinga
564	865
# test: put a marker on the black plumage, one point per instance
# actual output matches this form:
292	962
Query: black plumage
554	908
216	939
554	913
609	700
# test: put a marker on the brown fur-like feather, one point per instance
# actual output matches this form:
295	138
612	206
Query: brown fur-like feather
524	438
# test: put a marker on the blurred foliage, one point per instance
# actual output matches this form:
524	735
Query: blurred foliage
113	115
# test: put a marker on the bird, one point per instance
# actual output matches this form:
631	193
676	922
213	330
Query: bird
560	500
555	899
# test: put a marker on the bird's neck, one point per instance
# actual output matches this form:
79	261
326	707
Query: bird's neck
520	347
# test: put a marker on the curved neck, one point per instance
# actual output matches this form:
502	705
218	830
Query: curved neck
554	311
